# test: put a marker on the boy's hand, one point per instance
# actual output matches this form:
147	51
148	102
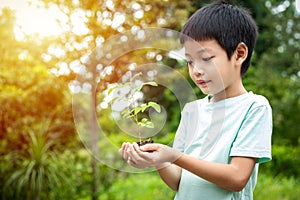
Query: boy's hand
139	157
126	146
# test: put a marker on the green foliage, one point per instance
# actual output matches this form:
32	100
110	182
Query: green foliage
285	162
283	93
149	187
278	188
36	170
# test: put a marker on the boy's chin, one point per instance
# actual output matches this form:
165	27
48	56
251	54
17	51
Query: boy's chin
206	92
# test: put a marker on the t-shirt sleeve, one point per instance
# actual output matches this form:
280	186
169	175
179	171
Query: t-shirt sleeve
254	136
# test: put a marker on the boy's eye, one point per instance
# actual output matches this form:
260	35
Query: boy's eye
208	58
189	62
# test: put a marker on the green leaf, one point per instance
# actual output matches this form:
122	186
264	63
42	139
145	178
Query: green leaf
138	88
155	106
152	83
143	107
149	124
146	123
126	114
112	89
136	110
144	120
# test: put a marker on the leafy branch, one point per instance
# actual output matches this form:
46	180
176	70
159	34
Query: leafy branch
135	110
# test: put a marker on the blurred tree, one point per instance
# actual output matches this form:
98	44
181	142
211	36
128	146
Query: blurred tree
100	20
277	68
29	94
28	91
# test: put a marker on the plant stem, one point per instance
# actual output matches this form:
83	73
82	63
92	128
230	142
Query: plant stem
139	128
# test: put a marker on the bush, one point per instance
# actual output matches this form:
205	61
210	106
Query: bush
285	162
146	186
276	188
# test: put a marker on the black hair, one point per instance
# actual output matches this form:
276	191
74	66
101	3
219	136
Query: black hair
228	24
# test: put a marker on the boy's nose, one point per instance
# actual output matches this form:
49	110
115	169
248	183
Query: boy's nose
198	70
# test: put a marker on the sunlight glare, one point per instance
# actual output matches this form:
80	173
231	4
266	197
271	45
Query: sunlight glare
38	21
31	19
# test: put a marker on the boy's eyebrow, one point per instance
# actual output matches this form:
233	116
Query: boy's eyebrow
200	51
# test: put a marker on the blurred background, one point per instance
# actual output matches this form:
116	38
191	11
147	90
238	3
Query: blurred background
43	47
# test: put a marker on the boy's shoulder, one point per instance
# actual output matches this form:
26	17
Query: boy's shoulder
258	100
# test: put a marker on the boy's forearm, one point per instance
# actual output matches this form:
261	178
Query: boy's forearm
233	176
170	175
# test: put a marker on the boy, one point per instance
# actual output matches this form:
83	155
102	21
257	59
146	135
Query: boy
222	138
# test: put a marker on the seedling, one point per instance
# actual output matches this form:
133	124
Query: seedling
135	110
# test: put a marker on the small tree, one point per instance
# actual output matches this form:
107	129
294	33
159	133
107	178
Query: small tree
37	169
135	110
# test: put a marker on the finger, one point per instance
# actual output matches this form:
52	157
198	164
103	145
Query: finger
142	159
123	145
132	154
124	149
137	165
136	147
130	161
126	145
139	157
121	150
123	154
150	147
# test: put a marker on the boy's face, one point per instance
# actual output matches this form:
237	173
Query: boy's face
210	68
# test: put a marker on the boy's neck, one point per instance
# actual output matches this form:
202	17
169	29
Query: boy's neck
225	94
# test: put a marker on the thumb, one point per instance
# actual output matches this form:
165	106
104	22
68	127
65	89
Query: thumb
149	147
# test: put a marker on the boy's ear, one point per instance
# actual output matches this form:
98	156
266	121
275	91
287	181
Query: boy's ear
241	52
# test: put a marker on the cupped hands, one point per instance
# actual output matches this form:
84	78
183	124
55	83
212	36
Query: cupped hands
149	155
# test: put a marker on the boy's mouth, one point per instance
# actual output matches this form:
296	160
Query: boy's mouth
202	82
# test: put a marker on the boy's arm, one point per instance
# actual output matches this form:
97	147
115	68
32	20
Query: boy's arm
233	176
170	175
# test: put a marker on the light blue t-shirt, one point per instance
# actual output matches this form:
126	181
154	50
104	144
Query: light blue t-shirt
238	126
